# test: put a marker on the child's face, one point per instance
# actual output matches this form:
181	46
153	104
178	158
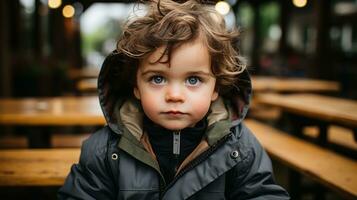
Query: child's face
179	95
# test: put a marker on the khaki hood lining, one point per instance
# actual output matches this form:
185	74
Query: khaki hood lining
131	116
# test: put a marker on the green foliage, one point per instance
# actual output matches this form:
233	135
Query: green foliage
269	15
245	15
95	40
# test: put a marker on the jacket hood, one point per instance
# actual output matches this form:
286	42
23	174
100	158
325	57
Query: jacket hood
115	90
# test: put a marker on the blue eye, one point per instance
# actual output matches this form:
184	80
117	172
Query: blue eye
193	80
157	79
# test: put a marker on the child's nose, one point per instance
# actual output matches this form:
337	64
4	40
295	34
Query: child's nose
174	93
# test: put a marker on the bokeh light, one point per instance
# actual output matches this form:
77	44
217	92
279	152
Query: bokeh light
300	3
54	3
222	7
68	11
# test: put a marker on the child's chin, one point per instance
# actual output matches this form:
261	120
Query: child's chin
175	126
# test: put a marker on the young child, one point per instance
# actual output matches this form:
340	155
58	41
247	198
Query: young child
174	95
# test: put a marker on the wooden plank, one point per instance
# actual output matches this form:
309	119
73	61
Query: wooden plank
263	112
276	84
11	141
336	135
45	167
87	85
51	111
330	169
59	140
87	72
329	109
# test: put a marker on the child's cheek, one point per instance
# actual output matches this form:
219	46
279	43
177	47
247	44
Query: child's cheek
149	104
200	108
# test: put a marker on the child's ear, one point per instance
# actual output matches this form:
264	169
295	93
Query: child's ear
136	93
214	95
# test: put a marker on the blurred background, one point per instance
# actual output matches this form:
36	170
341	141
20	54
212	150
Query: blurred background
298	51
46	41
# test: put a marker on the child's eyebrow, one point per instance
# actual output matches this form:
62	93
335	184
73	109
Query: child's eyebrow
200	73
190	73
152	72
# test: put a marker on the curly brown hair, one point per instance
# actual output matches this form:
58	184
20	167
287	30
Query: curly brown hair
170	24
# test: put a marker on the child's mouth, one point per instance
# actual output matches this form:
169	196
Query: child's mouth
174	113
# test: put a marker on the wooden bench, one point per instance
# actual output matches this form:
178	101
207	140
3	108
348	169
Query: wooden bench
87	86
59	140
313	109
328	168
36	167
13	141
262	112
336	135
293	85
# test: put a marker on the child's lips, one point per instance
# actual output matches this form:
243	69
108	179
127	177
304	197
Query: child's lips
174	112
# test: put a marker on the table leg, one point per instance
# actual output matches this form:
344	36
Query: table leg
322	138
320	192
294	184
39	137
291	123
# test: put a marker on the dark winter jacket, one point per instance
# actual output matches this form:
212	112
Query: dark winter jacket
117	162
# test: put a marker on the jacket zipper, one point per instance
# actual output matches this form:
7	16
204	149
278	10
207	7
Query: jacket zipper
195	162
176	143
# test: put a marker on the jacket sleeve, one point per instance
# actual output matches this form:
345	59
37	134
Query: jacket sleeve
253	177
90	178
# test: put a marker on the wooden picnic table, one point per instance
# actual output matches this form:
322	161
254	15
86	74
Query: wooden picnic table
60	111
289	84
87	85
42	114
324	110
36	167
86	72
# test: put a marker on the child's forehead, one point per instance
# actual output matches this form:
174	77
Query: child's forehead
158	55
193	52
177	71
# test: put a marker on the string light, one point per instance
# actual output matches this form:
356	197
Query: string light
222	7
68	11
300	3
54	3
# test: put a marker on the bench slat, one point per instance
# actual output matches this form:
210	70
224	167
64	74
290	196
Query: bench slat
36	167
336	135
68	140
332	170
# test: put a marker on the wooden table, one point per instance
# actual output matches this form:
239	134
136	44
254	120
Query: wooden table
56	111
87	72
288	85
324	109
49	112
87	85
36	167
